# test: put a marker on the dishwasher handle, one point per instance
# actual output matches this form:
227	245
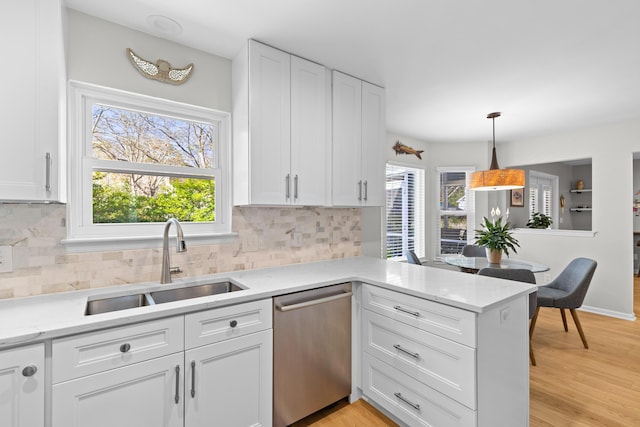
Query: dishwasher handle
313	302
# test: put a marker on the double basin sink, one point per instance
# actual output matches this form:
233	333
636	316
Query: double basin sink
106	305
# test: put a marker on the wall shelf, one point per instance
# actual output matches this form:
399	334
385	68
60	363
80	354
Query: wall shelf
584	190
580	209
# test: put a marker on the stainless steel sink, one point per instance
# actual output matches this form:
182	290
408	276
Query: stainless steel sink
189	292
124	302
106	305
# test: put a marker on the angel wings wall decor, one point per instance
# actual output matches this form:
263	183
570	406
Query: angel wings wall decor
160	70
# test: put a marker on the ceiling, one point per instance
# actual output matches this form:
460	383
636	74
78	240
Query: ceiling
549	66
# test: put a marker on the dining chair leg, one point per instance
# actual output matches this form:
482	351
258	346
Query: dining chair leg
531	356
574	314
532	324
564	319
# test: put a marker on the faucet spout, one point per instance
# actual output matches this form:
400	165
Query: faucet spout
181	246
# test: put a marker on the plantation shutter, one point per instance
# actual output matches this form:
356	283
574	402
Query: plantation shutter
404	210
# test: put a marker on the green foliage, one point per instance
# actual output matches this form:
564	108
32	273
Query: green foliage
188	200
496	236
539	220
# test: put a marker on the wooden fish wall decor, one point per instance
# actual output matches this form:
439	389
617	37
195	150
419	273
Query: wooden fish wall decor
400	148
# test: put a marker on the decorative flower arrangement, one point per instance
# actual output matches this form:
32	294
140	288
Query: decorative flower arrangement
496	236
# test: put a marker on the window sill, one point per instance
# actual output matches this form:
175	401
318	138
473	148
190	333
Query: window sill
556	232
106	244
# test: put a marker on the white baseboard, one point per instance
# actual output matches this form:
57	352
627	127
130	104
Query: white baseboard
610	313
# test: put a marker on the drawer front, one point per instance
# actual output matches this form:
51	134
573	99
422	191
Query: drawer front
208	327
94	352
440	319
444	365
410	400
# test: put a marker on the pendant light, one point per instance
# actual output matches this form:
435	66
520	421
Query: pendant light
496	178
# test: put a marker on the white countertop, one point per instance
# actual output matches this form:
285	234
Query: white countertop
32	319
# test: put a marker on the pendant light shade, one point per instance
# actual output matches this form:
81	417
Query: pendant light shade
496	178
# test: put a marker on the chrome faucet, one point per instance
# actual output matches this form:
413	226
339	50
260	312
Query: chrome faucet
181	246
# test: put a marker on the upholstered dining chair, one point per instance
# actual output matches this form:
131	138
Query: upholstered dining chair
519	275
474	251
412	258
567	291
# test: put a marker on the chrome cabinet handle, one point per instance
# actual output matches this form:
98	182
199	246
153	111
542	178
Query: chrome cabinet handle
360	190
47	184
408	402
286	189
410	353
177	399
366	192
295	187
193	378
29	371
125	347
404	310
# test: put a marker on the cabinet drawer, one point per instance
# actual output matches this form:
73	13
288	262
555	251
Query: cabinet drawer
443	320
410	400
207	327
89	353
444	365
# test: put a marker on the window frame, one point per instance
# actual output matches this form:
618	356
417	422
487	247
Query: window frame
534	185
81	232
469	212
419	214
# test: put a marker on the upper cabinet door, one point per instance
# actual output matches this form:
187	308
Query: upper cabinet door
373	133
32	92
269	124
309	144
347	185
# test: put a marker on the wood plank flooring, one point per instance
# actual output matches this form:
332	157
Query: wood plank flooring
570	387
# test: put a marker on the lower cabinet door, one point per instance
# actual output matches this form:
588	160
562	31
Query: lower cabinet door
22	386
411	401
145	394
230	383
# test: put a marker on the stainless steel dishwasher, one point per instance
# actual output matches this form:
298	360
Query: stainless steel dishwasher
311	351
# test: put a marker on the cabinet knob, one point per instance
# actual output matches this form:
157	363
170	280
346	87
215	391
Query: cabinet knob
233	323
125	347
29	371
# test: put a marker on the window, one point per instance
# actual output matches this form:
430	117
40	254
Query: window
542	187
456	209
405	211
136	161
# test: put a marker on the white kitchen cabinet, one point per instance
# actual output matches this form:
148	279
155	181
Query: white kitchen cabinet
22	386
432	364
231	381
280	146
358	133
141	376
146	394
31	114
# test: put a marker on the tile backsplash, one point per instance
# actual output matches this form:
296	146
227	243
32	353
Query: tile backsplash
266	237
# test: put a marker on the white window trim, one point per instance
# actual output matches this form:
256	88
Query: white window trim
82	234
470	212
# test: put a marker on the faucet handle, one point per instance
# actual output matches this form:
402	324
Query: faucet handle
175	270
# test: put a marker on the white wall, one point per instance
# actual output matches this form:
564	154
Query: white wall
611	148
97	54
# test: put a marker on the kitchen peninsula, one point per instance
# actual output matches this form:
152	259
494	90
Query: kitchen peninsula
477	375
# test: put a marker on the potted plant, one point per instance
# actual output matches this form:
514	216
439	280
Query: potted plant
539	220
496	237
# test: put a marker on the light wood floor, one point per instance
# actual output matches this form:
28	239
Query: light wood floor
570	386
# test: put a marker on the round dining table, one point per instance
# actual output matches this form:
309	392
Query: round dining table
473	264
